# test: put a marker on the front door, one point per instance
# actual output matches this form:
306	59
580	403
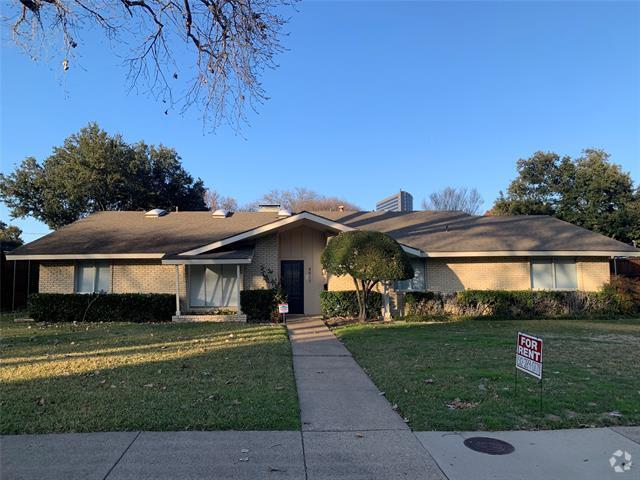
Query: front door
292	274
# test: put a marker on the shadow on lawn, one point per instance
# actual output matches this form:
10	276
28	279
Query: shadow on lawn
207	382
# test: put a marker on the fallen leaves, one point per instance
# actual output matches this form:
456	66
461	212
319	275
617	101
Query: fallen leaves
458	404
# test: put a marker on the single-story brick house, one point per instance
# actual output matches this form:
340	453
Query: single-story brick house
206	258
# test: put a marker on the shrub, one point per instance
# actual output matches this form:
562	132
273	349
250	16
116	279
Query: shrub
260	305
345	303
103	307
620	297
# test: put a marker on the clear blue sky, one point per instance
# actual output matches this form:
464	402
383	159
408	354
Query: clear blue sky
372	97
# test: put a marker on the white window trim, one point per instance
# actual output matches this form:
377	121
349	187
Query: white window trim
76	272
553	276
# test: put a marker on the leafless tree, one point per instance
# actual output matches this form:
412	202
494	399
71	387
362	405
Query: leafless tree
219	47
300	199
214	201
454	199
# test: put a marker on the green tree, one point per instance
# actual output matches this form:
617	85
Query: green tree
94	171
588	191
369	258
10	236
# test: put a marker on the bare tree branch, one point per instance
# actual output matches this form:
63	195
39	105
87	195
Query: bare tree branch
454	199
219	47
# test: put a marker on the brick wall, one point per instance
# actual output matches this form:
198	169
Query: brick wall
265	253
145	276
56	277
450	275
593	272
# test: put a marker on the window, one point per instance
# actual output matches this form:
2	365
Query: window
417	283
213	286
93	277
554	274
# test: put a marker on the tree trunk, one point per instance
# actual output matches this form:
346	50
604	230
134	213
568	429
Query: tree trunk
365	296
361	309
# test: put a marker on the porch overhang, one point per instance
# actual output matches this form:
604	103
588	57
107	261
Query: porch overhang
239	256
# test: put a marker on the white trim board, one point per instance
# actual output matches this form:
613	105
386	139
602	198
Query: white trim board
268	228
209	261
535	253
86	256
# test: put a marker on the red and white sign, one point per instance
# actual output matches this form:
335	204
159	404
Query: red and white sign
529	355
283	308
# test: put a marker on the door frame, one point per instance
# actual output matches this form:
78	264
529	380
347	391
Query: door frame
301	262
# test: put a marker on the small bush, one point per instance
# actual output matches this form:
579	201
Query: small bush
260	305
103	307
345	303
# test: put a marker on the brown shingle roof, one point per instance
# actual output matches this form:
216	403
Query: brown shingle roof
132	233
459	232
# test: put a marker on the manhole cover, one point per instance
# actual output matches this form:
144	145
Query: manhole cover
491	446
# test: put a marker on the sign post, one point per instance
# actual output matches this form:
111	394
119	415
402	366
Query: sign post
283	309
529	359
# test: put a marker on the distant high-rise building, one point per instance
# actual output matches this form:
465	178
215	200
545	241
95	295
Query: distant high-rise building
400	202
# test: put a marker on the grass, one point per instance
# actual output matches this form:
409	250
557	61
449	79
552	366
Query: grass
590	370
123	376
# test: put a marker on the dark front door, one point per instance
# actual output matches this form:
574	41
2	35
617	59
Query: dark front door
292	272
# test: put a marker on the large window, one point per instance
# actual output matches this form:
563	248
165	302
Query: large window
415	284
93	277
554	274
213	286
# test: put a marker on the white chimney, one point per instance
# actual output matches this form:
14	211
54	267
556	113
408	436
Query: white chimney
269	207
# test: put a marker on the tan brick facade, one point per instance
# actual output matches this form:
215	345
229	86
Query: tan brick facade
449	275
265	254
146	276
593	273
446	275
56	277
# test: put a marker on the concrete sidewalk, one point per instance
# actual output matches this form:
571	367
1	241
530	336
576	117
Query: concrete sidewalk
541	455
552	454
153	455
349	429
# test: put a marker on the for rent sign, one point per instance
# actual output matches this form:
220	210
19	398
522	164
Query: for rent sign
529	355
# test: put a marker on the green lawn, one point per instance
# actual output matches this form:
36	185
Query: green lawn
119	376
591	369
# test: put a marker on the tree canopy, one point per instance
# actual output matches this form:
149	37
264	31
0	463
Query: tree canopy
369	258
94	171
207	53
10	236
588	191
454	199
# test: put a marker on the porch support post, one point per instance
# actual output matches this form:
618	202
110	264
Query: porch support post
387	303
177	290
238	288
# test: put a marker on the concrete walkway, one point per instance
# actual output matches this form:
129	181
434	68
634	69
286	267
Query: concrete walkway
349	429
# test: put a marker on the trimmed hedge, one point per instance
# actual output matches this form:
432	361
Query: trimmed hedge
617	298
345	303
260	305
101	307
